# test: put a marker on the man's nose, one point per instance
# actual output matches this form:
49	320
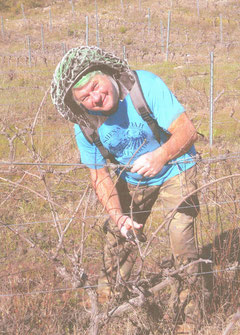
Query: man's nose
96	97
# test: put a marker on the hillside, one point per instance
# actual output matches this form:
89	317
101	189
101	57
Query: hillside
51	221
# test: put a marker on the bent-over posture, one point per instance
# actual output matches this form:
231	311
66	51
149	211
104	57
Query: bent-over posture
133	119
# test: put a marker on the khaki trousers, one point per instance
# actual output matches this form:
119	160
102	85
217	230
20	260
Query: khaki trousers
119	255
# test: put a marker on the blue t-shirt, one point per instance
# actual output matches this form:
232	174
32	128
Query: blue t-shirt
125	131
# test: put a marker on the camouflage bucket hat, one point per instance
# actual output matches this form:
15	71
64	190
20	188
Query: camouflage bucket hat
75	64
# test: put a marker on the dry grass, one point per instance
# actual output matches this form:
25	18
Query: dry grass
40	262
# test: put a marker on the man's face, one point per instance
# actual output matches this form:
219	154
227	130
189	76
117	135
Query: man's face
99	94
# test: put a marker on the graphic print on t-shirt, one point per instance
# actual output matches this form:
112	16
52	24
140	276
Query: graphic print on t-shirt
124	141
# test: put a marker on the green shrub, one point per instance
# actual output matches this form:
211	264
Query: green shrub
122	30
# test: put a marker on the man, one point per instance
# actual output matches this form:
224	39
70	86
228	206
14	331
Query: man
92	88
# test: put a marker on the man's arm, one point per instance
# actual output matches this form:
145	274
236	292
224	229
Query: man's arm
183	136
108	196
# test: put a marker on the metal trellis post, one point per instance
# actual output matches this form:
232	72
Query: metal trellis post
122	6
64	48
2	27
162	36
29	51
97	28
23	13
50	19
168	34
42	36
124	52
211	98
86	30
198	11
149	20
73	9
221	29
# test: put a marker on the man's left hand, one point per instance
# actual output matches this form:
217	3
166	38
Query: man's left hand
148	165
183	135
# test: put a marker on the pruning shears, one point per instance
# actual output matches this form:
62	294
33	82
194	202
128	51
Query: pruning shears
138	236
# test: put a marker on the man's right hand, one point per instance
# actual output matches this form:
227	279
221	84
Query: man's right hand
125	224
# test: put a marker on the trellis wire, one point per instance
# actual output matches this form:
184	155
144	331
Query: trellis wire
174	45
196	158
211	98
87	30
105	216
168	33
58	290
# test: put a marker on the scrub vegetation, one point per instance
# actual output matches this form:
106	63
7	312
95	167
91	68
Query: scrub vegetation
51	223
